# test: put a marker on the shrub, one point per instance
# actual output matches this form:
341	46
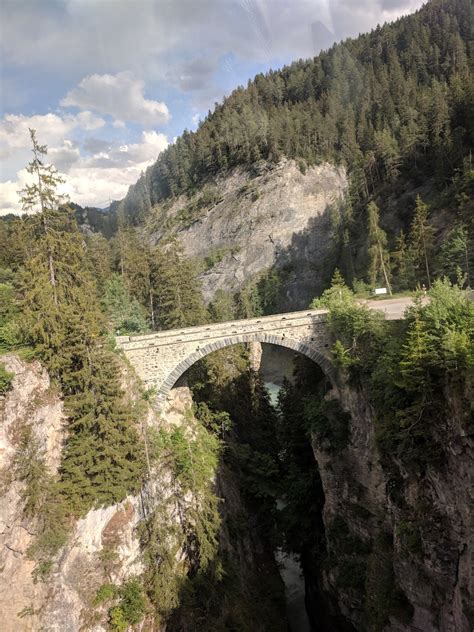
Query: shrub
6	379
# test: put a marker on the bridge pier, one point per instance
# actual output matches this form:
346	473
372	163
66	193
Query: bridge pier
255	353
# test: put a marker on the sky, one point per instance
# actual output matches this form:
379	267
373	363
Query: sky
108	84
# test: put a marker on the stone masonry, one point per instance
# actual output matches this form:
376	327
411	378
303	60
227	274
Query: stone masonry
161	358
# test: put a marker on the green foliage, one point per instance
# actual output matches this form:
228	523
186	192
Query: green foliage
192	453
129	604
338	295
132	602
218	422
249	302
379	268
407	368
10	330
454	255
125	314
359	331
99	256
216	256
102	458
402	268
232	403
176	289
54	522
105	593
30	468
300	519
382	103
53	309
270	285
6	379
329	423
222	307
421	242
193	459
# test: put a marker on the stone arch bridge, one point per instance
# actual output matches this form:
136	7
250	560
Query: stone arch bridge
161	358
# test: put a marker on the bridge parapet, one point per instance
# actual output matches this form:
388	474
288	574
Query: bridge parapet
162	357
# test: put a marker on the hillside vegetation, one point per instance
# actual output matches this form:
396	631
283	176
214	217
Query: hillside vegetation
393	106
395	103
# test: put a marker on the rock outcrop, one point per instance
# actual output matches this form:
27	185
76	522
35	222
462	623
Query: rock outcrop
420	544
246	223
103	546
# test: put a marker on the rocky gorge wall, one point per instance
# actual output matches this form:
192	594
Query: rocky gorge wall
400	551
247	222
103	546
113	545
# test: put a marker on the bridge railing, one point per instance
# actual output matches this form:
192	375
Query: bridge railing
311	315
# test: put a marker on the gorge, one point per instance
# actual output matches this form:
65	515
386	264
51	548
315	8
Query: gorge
209	421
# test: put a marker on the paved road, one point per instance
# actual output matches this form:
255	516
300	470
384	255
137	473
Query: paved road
394	308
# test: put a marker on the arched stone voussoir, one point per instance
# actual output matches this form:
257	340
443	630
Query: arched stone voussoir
301	346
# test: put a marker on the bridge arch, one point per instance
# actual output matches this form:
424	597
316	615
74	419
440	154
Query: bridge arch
305	348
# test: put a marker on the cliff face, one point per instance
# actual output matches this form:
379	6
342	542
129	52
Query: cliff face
63	601
103	546
112	546
415	545
245	223
31	403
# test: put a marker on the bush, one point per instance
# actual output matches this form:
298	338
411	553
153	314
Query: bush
6	379
329	422
125	314
129	604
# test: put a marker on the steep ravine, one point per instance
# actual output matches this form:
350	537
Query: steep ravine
111	545
361	569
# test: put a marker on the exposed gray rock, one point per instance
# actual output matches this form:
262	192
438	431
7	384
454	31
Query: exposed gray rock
253	221
437	579
63	603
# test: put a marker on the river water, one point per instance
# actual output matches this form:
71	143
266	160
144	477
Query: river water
290	567
292	576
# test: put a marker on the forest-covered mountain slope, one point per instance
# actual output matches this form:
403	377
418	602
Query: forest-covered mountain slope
375	467
393	104
392	109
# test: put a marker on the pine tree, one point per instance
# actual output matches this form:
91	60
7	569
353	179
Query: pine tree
222	307
125	314
101	460
41	196
421	241
454	255
176	289
99	255
416	357
377	249
403	264
249	303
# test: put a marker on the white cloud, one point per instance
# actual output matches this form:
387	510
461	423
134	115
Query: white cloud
50	128
119	95
103	171
9	196
181	41
108	174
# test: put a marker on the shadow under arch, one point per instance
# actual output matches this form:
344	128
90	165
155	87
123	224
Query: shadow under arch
304	348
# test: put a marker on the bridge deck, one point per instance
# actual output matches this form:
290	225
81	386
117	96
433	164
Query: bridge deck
392	308
275	321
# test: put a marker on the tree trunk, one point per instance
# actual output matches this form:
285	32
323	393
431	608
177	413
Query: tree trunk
384	270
